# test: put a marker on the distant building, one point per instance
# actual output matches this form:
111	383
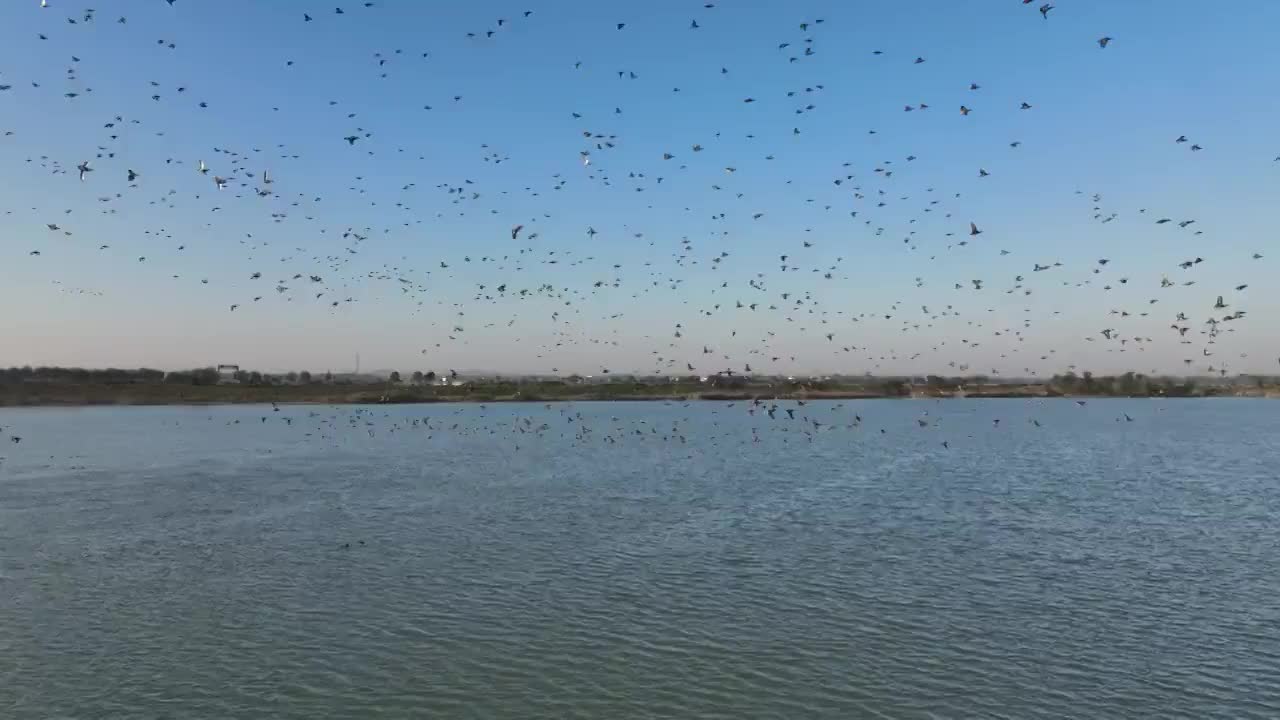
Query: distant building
227	374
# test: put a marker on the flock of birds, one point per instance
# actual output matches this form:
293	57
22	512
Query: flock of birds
684	429
552	298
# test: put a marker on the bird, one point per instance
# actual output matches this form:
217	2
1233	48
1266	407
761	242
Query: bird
973	229
84	169
1103	42
1044	10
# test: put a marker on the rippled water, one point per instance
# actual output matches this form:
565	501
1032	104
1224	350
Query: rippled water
204	563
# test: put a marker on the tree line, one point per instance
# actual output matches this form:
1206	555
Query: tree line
15	375
1129	384
144	376
195	376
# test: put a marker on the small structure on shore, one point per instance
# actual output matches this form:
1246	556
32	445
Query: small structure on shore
227	374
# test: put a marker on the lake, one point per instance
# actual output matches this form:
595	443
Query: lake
643	560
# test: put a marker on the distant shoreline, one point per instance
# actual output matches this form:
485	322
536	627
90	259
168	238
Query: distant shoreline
390	395
162	394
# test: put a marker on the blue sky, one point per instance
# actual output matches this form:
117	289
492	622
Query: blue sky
1102	122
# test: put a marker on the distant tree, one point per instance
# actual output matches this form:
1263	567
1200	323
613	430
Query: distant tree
242	376
291	376
1066	383
328	376
1089	383
205	376
417	377
431	376
255	378
395	376
1132	384
304	377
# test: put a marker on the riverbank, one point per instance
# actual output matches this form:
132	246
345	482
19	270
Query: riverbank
94	395
97	394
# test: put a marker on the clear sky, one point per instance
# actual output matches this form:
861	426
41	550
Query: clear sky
405	226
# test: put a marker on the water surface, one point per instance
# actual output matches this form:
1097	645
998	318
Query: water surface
632	560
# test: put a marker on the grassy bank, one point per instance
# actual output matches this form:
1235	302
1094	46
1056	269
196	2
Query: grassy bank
33	394
68	394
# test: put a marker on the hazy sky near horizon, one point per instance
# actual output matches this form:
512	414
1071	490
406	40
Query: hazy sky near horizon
635	262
